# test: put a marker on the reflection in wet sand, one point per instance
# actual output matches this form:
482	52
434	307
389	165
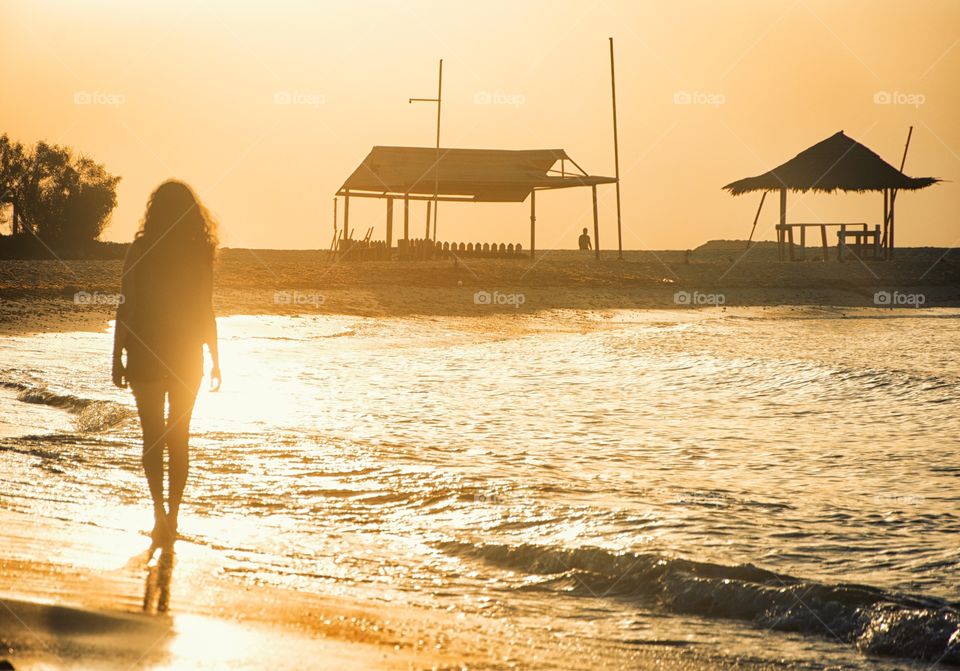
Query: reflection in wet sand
156	595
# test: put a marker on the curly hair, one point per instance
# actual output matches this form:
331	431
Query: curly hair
176	222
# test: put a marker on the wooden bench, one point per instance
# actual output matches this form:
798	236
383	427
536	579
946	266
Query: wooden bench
785	233
861	239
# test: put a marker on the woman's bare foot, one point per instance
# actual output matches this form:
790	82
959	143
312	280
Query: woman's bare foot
161	534
172	525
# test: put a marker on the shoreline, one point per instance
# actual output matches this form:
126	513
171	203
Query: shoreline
41	314
38	296
27	316
72	592
70	598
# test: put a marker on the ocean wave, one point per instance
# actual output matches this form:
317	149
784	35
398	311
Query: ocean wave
875	620
91	415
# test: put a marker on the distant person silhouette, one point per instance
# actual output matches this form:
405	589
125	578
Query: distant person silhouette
164	320
585	241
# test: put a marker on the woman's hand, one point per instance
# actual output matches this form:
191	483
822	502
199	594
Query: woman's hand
119	372
215	377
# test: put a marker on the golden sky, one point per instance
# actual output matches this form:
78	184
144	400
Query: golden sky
196	91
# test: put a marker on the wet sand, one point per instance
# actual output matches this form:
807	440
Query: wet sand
75	597
72	599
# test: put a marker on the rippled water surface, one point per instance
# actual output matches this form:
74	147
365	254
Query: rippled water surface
691	478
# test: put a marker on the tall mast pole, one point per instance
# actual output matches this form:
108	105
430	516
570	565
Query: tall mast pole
436	167
616	150
436	162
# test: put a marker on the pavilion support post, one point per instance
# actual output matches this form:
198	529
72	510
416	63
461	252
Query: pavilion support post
823	241
892	226
389	224
336	227
406	219
886	215
782	228
427	234
533	223
346	223
596	223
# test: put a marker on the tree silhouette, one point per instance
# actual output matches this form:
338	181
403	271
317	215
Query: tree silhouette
61	199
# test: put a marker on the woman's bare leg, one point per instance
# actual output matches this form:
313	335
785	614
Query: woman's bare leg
182	398
179	466
151	402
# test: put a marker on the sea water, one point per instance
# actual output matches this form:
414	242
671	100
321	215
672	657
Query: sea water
776	485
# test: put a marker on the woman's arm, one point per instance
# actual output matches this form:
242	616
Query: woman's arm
125	307
211	335
215	377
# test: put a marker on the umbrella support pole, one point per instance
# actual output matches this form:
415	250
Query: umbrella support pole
533	222
596	224
782	228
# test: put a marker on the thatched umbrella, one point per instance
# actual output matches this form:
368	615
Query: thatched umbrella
839	162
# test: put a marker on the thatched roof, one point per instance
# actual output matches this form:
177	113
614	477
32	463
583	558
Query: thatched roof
838	162
492	175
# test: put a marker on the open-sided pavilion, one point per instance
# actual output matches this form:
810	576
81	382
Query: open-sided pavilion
464	175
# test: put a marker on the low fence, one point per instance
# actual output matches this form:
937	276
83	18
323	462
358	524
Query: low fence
418	249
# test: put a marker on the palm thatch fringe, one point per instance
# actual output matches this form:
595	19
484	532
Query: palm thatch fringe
839	162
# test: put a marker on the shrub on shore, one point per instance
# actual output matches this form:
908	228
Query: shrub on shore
54	201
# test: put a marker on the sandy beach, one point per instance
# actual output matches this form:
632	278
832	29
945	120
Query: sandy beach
45	295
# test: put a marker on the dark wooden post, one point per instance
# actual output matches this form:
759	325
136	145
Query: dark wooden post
389	224
886	214
782	228
533	222
427	234
406	218
823	241
893	219
346	223
596	223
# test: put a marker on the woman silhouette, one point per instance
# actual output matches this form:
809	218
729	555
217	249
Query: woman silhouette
163	321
